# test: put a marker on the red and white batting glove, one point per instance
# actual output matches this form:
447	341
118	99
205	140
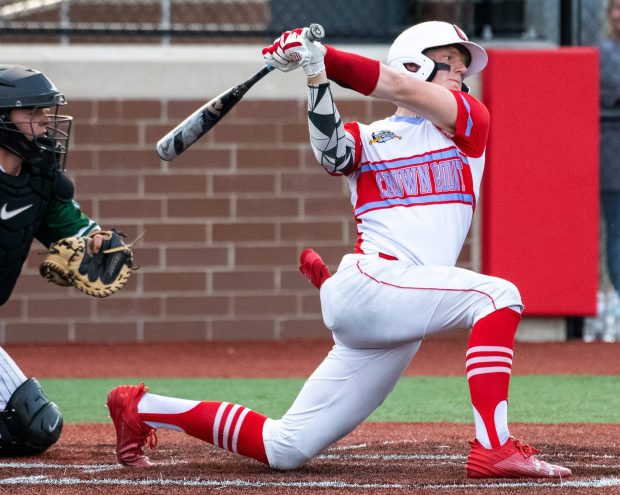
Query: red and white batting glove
281	54
292	50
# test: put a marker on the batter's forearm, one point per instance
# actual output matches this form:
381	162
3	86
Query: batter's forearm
350	70
371	78
332	146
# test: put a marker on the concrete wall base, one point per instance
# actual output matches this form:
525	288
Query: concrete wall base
532	329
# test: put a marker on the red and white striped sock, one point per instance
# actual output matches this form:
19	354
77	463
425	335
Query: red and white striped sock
228	426
489	364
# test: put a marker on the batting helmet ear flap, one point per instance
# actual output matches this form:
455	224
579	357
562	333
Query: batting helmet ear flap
427	67
434	70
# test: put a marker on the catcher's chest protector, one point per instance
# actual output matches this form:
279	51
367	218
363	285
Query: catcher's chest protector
24	200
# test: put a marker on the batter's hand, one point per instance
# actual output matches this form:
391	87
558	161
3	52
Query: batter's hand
281	54
314	53
292	50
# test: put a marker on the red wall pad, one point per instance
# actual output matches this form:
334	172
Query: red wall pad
540	199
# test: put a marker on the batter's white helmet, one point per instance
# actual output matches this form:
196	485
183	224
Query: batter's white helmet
410	45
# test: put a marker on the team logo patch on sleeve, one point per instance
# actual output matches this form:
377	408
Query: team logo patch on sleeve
383	137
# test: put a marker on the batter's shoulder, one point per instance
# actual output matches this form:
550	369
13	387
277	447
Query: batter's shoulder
469	98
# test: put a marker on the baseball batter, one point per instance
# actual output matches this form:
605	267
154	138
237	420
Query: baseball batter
414	179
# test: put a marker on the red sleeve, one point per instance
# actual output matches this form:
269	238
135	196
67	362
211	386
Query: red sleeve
352	71
472	124
353	128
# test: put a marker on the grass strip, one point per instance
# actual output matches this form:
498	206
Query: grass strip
533	398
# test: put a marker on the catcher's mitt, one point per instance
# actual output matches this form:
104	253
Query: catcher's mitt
71	262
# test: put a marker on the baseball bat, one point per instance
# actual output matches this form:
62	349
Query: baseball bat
207	116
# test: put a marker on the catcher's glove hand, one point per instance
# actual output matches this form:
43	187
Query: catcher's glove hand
71	262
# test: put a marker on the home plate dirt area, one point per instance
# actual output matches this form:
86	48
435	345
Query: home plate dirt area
382	458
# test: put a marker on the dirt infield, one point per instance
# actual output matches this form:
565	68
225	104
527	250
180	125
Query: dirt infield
387	459
383	458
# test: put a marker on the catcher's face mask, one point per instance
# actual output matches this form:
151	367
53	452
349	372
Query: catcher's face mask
30	126
39	130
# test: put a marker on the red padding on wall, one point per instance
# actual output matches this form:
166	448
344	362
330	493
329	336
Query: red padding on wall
540	196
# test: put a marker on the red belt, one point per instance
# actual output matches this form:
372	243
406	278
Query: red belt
388	257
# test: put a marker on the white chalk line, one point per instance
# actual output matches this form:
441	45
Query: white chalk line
429	461
348	447
442	459
331	455
581	456
45	480
41	479
439	458
84	468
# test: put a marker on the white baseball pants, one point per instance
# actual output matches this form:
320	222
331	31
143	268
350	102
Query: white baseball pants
379	311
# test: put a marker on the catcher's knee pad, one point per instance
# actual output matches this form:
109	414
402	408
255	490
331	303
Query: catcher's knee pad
30	424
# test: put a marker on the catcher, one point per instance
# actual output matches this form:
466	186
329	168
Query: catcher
36	201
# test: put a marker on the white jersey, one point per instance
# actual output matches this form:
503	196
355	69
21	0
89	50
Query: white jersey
414	187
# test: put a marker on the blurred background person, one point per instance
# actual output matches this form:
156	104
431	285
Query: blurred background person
607	323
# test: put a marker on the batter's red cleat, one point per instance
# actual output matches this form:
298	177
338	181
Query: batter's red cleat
131	433
514	459
313	267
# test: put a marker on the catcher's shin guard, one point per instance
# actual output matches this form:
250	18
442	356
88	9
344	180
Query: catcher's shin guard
30	424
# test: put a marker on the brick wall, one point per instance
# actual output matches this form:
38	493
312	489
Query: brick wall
224	223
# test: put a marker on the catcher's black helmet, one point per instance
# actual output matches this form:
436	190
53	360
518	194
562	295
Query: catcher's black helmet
23	88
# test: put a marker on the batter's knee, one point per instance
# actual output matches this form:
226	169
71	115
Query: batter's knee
284	456
289	462
282	449
506	295
30	423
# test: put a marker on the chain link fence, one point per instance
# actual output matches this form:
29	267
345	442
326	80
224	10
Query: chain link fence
361	21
